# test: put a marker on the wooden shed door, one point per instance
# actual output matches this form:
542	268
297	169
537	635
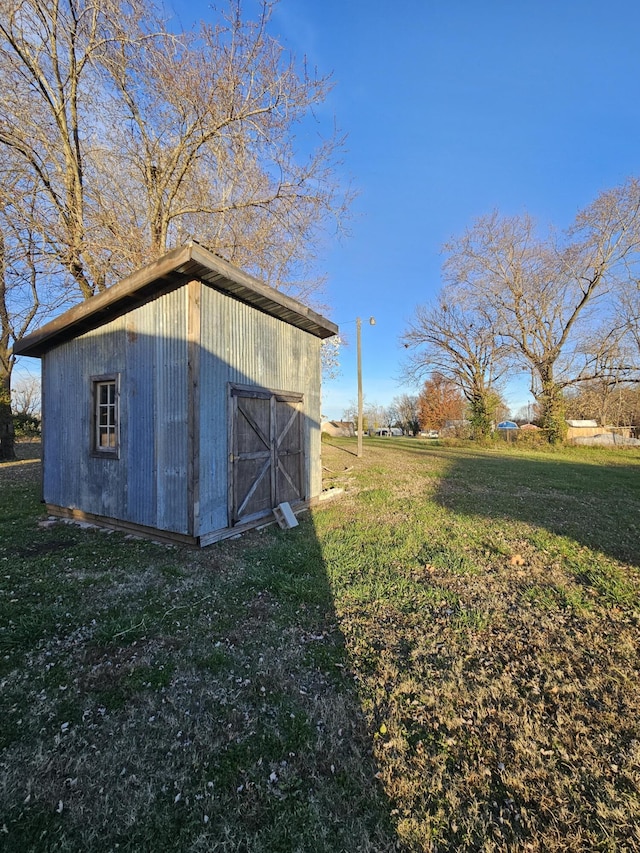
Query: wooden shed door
267	459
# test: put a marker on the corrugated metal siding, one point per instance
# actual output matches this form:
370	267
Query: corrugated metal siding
243	346
65	428
172	411
147	484
138	393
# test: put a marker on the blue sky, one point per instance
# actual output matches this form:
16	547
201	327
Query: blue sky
454	108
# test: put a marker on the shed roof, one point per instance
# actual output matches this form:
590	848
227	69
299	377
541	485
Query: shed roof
582	424
169	272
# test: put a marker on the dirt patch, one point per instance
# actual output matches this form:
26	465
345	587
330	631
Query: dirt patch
39	549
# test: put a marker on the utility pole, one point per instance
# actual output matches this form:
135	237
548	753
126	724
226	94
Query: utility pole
372	322
359	349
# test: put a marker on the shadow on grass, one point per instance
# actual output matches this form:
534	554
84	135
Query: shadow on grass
334	801
481	673
185	700
342	447
593	498
595	503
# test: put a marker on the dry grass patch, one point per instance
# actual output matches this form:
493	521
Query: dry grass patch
496	656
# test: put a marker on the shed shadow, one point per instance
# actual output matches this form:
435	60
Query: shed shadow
310	711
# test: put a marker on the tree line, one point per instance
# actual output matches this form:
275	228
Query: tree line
438	403
564	307
123	134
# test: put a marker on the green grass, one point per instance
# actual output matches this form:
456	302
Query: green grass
443	659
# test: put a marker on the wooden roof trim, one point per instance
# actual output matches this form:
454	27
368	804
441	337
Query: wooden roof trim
169	272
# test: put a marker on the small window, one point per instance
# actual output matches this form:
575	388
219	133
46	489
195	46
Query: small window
106	426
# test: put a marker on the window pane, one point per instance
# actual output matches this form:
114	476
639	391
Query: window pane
105	416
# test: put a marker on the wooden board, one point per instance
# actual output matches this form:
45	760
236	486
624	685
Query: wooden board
267	452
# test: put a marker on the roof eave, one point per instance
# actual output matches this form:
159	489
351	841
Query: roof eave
169	272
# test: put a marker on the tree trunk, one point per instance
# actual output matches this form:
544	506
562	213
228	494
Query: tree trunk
7	448
481	420
551	401
7	437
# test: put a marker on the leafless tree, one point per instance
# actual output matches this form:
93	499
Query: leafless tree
546	293
212	137
127	135
406	412
48	51
624	336
609	403
22	267
456	338
6	424
26	396
375	416
141	135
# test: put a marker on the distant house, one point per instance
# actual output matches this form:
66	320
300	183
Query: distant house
182	403
577	429
343	429
588	432
460	428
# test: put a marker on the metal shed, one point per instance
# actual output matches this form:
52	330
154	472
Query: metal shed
182	403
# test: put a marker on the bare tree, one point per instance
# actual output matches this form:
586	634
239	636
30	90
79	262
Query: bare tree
23	287
140	136
609	403
208	130
6	361
626	331
124	137
456	338
374	416
542	290
26	396
406	410
48	51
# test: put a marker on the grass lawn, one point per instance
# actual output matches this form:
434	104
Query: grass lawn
445	658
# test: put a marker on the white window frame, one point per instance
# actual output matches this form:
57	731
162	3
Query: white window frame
105	415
